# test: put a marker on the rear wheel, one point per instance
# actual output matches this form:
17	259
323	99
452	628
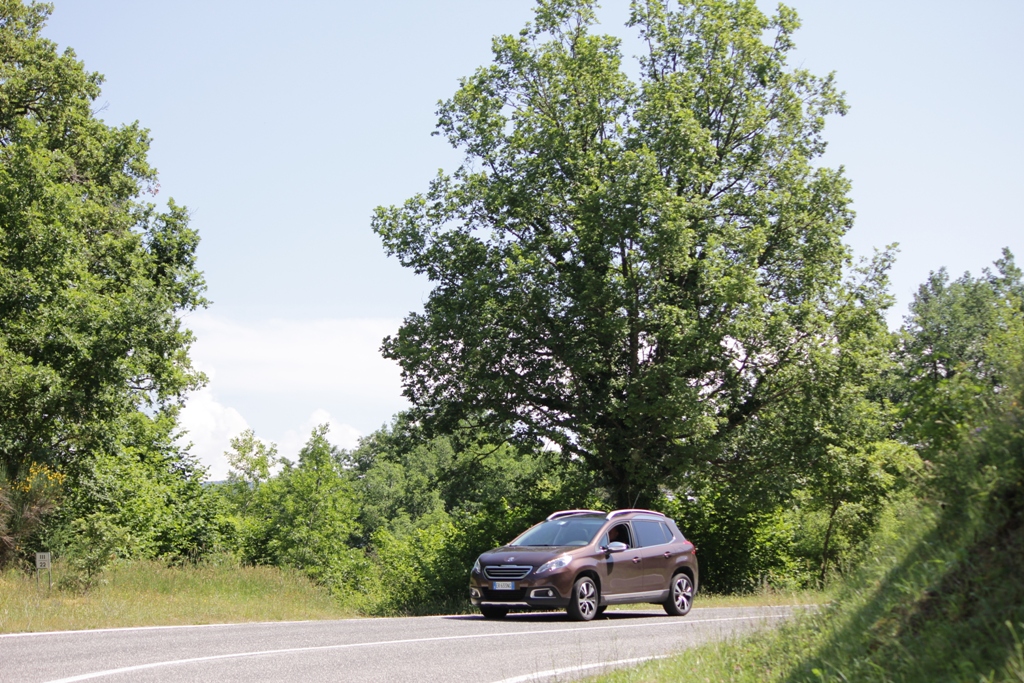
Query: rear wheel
583	603
680	597
492	612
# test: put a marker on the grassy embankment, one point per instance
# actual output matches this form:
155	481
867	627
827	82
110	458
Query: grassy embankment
151	594
939	596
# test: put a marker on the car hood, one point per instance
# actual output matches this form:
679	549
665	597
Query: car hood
523	555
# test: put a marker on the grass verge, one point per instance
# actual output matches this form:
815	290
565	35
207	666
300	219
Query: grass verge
766	598
145	593
151	594
941	599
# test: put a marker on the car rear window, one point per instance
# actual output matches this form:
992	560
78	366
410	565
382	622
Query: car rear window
651	533
565	531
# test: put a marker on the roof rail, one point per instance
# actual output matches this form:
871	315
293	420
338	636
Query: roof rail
566	513
623	512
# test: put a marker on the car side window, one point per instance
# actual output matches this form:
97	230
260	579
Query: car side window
619	532
649	533
666	532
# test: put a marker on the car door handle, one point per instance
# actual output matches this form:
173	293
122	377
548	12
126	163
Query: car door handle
635	560
668	554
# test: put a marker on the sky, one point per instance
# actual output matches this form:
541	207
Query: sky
282	125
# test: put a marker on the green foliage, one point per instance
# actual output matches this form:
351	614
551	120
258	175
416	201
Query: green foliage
422	570
407	477
797	489
251	461
304	517
850	489
95	542
632	270
146	487
93	354
394	525
960	342
91	277
740	546
398	473
939	597
431	505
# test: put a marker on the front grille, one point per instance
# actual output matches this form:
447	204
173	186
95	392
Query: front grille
507	572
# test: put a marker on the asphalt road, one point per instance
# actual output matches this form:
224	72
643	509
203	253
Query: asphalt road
520	648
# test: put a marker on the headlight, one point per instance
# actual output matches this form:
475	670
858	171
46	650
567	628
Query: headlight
554	564
476	566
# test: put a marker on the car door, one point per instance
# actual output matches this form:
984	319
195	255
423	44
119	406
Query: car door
656	553
622	572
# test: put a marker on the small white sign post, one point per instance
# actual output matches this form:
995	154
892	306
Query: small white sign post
43	562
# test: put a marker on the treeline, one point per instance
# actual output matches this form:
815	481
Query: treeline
393	525
641	298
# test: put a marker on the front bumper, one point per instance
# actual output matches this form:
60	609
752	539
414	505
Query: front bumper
531	592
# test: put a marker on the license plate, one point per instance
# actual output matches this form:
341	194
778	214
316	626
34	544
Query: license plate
503	585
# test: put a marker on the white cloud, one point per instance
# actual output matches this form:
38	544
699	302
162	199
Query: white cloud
210	426
340	435
297	356
269	369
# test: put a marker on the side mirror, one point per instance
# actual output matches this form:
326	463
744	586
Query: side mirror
616	547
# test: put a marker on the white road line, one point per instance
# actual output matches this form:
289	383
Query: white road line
28	634
540	675
321	648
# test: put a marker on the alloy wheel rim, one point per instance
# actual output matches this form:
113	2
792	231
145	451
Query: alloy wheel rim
683	593
585	598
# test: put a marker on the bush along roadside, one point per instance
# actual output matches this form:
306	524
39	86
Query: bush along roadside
938	597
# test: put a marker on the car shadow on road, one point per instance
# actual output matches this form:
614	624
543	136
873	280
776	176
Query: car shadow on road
549	617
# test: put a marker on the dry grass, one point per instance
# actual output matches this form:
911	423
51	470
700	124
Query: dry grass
152	594
768	598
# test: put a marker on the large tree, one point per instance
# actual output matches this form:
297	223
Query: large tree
631	269
92	277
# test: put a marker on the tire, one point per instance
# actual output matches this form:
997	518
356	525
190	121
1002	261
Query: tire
492	612
680	595
584	599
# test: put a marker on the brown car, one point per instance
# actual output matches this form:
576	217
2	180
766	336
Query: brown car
585	560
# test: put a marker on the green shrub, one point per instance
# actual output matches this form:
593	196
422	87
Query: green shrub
304	517
95	542
421	571
145	484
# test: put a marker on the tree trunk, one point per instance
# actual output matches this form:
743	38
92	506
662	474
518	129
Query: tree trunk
828	540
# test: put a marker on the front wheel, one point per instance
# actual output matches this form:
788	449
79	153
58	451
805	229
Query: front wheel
583	603
680	597
492	612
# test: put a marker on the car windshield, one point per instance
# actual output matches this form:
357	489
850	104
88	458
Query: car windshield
565	531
